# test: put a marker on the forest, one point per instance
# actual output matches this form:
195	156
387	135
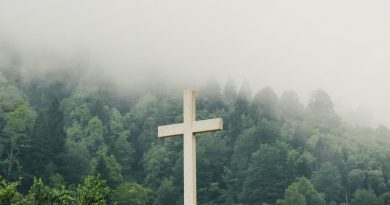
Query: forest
68	140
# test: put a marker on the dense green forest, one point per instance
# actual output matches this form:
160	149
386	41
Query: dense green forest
69	140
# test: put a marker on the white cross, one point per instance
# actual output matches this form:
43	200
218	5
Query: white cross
188	128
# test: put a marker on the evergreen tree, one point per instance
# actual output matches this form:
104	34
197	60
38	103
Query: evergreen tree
48	143
290	106
94	139
40	154
124	152
230	91
265	105
57	138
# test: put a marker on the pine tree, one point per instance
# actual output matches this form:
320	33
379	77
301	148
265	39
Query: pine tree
57	134
48	142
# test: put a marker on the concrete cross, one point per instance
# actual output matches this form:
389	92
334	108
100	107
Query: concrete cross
188	128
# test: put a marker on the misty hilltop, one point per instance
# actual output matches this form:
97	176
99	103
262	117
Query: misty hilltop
70	135
303	45
302	87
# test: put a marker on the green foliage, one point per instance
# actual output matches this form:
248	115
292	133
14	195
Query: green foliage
376	181
269	162
10	98
94	135
110	170
16	131
211	148
124	153
321	111
130	194
269	149
230	91
147	136
265	105
355	179
8	190
47	146
166	194
157	163
302	192
290	106
365	197
328	181
75	132
93	191
321	102
77	161
44	195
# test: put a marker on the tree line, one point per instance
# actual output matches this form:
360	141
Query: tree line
65	140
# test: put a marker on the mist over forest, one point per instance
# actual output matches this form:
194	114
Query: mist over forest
39	62
302	88
304	45
70	134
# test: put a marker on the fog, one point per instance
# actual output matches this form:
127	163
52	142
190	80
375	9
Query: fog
342	46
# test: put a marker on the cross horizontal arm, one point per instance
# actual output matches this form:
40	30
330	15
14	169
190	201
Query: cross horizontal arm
197	127
207	125
170	130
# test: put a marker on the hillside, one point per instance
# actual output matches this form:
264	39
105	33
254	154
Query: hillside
86	143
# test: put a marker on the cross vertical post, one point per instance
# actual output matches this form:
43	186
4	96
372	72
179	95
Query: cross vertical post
189	114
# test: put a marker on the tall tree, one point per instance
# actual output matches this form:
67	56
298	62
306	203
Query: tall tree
17	132
124	152
265	104
321	111
48	143
230	91
94	138
290	106
210	96
57	134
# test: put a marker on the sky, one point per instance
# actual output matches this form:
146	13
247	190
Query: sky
341	46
